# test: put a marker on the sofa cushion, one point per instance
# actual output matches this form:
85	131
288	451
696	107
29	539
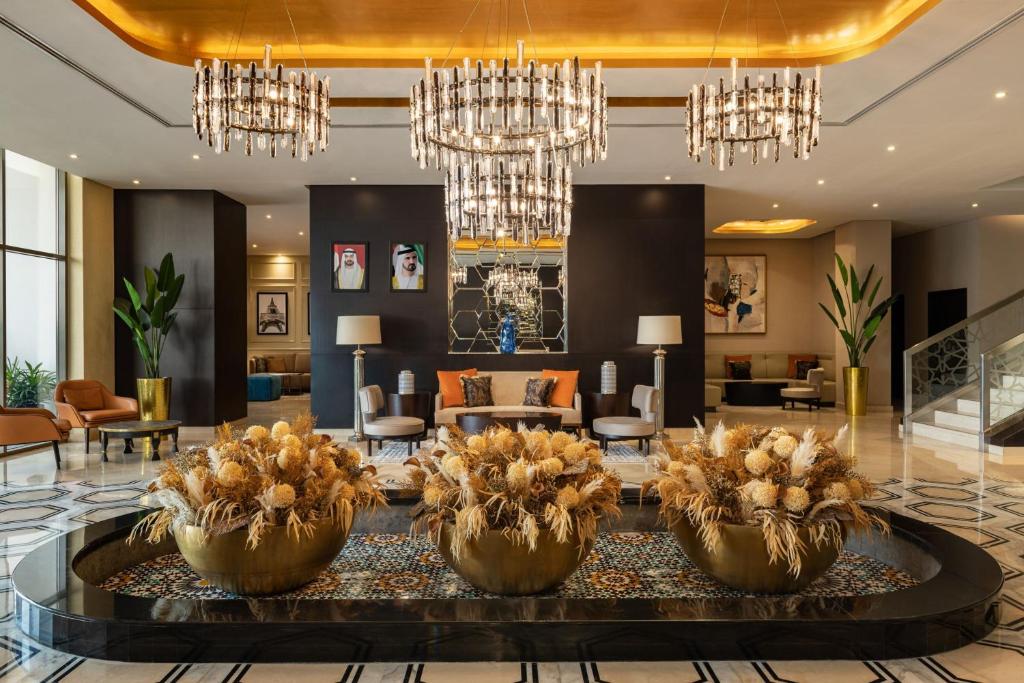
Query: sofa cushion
731	359
451	386
565	388
302	362
714	366
538	391
90	398
828	365
794	358
109	415
775	365
276	364
477	390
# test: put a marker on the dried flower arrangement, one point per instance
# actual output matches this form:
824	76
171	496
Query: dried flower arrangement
517	482
766	477
285	476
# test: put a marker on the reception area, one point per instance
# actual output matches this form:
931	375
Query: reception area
484	341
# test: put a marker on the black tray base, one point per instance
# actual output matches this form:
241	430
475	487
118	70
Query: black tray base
956	603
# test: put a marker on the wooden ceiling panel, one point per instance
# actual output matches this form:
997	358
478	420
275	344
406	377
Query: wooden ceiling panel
400	33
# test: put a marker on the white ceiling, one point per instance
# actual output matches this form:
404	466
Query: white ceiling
952	137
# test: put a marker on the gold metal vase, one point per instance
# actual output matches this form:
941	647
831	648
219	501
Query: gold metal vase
741	560
278	564
494	564
855	390
154	398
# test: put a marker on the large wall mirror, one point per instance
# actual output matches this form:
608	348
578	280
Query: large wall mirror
495	284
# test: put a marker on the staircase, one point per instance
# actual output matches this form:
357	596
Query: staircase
965	385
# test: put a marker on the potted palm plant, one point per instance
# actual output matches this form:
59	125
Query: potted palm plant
858	329
150	319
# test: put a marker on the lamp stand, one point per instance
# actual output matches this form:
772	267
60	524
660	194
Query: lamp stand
659	384
357	384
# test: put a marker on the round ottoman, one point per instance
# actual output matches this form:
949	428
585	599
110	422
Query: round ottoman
264	387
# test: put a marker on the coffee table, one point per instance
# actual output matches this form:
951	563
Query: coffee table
475	423
754	393
140	429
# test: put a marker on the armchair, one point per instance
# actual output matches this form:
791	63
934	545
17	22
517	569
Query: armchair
87	404
32	425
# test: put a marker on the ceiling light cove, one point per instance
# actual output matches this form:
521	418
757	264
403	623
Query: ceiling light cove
775	226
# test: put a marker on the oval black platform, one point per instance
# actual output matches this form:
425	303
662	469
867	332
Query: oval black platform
956	603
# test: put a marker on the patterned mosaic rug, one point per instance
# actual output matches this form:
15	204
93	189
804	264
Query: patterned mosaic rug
622	565
397	452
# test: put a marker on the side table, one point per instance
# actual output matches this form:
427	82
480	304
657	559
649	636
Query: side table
417	404
596	404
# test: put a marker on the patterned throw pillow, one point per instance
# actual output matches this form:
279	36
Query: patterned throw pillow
538	391
739	369
259	365
803	367
477	390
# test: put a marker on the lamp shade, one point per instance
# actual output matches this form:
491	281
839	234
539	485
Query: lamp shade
659	329
358	329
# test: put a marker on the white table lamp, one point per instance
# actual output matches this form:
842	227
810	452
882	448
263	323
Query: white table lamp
659	330
358	330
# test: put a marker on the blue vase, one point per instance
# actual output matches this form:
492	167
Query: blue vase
507	335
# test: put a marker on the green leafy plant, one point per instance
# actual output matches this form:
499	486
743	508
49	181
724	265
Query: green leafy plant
858	330
28	385
150	319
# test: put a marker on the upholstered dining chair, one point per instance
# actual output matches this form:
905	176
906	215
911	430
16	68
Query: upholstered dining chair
33	425
809	393
87	404
628	428
391	427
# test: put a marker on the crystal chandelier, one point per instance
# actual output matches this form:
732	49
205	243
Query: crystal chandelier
511	285
758	118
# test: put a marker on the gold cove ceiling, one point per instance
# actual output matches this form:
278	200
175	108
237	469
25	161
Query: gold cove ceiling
400	33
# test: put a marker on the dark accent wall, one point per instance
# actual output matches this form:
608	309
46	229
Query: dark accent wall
205	353
635	250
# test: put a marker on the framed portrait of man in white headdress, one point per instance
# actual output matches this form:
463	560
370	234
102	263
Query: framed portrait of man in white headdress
408	267
350	266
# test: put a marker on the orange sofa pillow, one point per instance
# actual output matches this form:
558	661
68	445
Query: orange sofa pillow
451	386
564	393
795	358
734	359
84	399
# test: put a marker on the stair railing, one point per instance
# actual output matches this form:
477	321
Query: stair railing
950	361
1001	387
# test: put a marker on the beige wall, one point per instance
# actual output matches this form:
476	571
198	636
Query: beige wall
90	280
289	274
795	283
863	244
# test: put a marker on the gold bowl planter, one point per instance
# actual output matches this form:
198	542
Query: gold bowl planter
741	558
494	564
278	564
855	390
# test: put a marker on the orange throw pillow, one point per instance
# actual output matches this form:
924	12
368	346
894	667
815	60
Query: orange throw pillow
276	364
734	359
84	399
451	387
794	358
564	392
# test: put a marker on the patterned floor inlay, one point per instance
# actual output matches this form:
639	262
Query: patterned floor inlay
397	452
622	565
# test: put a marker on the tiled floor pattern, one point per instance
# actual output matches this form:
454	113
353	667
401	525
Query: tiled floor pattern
397	452
943	485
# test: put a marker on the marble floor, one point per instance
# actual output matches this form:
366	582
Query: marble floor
952	487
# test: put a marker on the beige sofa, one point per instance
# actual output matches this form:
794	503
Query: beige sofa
769	367
507	390
296	375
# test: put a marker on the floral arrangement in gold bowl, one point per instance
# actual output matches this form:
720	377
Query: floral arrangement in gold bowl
262	511
760	508
512	512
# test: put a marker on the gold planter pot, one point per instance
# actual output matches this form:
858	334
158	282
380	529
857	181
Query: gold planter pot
741	559
855	390
154	398
278	564
494	564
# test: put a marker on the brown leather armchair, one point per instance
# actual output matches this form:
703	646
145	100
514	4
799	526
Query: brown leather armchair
32	425
87	404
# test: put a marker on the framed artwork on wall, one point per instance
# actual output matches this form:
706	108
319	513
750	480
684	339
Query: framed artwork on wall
408	267
350	266
272	313
735	294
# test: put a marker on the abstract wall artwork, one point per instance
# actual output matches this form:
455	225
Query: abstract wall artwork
735	295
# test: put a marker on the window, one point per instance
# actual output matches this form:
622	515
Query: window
32	273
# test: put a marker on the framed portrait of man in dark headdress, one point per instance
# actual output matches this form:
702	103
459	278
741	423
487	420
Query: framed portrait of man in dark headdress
408	267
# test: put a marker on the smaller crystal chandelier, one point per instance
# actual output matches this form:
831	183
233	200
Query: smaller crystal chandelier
459	275
510	285
261	109
758	118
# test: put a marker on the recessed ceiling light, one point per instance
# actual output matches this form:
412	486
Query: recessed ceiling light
136	181
254	245
353	179
891	148
875	205
195	156
1001	94
269	216
72	156
668	177
821	181
775	226
775	205
974	205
